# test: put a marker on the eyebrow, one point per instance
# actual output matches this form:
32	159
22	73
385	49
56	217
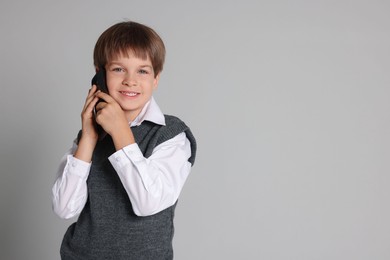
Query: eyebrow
121	64
146	66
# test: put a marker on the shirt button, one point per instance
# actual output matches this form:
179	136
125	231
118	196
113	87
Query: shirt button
117	159
74	164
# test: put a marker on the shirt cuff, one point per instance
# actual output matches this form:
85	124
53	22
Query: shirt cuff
78	167
121	157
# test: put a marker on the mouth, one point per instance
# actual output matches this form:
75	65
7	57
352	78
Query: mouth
129	93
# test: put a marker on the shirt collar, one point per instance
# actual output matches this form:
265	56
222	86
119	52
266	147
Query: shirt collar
150	112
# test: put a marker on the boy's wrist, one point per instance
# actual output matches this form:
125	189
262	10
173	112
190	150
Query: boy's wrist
122	138
85	149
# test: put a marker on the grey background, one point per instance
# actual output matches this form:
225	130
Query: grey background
289	101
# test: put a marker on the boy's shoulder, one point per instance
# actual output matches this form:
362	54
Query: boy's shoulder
173	123
171	120
174	126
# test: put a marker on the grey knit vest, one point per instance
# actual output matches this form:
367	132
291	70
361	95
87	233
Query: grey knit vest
107	228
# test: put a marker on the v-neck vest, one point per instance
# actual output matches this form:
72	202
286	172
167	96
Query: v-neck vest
107	227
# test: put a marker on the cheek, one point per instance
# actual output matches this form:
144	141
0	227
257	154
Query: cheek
111	83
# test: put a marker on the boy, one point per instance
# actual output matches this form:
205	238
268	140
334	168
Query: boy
124	185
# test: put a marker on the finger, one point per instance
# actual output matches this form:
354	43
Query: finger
92	87
91	104
90	97
92	91
106	97
100	105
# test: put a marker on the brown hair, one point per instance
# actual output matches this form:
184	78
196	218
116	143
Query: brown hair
127	36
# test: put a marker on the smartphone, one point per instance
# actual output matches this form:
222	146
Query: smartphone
100	81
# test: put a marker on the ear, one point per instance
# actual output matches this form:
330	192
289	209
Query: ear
155	81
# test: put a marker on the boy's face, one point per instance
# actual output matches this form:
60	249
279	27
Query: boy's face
131	82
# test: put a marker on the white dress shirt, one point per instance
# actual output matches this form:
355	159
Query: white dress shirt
152	184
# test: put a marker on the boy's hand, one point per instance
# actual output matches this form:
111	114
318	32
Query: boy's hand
89	135
87	116
112	119
109	114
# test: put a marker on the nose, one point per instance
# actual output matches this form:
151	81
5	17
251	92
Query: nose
129	80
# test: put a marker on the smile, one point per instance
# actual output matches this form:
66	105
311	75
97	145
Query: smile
129	94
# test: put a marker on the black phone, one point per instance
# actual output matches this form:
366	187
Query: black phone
100	81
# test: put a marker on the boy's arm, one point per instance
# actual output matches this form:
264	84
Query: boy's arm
113	120
69	192
154	184
89	136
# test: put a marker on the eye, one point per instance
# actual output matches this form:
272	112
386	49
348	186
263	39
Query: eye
142	71
117	69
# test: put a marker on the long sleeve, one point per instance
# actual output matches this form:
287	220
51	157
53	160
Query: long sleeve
153	184
69	192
